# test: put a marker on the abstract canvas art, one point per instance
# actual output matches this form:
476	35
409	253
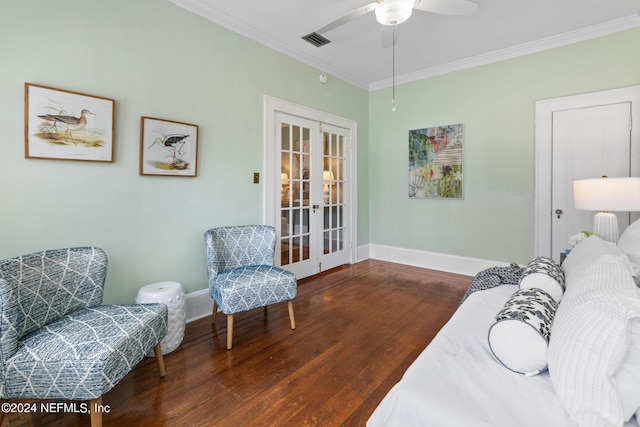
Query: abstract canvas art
435	162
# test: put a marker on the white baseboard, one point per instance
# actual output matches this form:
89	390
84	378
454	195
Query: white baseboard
363	253
433	260
199	303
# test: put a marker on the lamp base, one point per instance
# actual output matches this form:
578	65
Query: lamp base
605	225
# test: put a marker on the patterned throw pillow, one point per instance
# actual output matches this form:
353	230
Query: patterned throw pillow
546	274
519	337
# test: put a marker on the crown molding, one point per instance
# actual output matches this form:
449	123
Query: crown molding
201	8
565	39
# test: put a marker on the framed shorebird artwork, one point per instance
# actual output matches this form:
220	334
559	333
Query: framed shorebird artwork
65	125
168	148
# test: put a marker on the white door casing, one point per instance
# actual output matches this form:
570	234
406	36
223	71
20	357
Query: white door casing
561	158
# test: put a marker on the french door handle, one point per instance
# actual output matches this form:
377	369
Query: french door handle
315	207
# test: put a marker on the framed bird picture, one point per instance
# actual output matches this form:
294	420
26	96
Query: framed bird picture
168	148
65	125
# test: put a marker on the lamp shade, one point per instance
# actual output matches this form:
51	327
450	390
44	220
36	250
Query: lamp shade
394	12
607	194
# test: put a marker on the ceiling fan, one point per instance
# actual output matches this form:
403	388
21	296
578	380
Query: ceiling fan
394	12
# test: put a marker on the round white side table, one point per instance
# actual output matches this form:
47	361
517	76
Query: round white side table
172	295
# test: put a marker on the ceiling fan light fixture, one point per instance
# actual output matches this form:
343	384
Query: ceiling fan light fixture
394	12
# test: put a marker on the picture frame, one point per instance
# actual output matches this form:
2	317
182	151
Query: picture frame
66	125
168	147
435	162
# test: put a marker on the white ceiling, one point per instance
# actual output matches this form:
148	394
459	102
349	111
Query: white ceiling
427	44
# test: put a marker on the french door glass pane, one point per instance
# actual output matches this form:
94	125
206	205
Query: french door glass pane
333	186
295	179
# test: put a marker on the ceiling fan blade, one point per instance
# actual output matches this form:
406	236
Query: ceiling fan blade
348	17
388	38
447	7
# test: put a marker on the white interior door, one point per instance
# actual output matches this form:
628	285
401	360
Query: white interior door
569	146
587	143
311	188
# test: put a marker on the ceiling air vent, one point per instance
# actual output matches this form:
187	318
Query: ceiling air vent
316	39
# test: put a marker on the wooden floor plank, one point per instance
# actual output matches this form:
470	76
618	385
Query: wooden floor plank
358	329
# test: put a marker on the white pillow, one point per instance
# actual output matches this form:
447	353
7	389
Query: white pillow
519	337
591	338
546	274
585	254
629	243
628	377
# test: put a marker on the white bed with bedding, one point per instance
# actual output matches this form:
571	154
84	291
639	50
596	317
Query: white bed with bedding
457	380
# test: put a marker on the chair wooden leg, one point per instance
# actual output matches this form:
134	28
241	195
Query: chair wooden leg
291	316
159	359
229	331
95	411
215	311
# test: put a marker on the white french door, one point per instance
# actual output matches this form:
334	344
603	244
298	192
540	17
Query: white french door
298	197
310	204
335	209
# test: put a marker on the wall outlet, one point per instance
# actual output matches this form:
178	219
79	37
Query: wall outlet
256	177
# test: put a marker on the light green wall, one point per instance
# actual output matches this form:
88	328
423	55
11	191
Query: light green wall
155	59
496	102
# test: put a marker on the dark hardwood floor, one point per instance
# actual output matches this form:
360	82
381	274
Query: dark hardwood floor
358	329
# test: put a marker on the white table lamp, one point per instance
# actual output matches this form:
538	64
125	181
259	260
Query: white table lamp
284	183
327	177
606	195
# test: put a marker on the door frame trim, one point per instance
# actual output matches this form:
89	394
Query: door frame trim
544	110
272	179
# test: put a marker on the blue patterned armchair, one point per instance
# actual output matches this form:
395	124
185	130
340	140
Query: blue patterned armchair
57	341
241	272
